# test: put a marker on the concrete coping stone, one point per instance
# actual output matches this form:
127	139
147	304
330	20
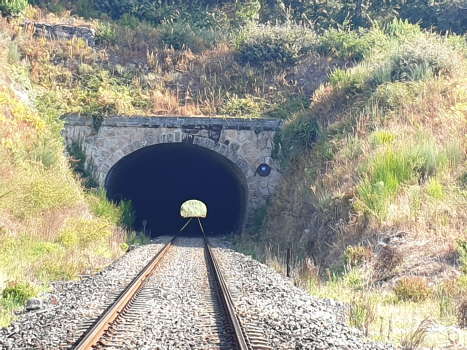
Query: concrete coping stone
178	122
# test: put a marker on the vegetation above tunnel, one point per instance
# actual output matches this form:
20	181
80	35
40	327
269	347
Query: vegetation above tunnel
373	152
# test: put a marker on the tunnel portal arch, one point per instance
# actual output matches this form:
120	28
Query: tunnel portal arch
248	145
160	178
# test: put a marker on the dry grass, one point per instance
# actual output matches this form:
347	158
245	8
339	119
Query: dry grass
39	195
386	172
166	81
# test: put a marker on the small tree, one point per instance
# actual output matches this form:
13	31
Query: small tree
13	7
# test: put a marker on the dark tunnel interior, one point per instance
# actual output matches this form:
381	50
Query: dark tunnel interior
160	178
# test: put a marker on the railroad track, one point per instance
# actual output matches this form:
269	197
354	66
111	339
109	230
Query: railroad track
154	296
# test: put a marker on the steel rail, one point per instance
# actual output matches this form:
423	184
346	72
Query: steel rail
241	338
94	335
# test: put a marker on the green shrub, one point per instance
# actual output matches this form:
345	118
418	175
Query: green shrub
181	36
46	151
346	44
426	155
413	289
435	189
387	170
393	95
258	44
301	133
128	213
446	293
288	107
453	152
355	79
391	167
13	53
106	34
137	238
116	8
248	106
19	292
381	137
401	28
129	20
85	8
462	250
423	56
102	207
82	232
13	7
391	58
49	192
362	313
353	279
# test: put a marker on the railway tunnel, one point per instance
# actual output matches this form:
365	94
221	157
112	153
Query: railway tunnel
158	179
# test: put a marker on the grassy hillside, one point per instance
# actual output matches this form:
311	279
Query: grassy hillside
50	228
373	152
373	197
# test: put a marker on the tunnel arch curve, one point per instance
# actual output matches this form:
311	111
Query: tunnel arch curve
159	178
246	143
174	137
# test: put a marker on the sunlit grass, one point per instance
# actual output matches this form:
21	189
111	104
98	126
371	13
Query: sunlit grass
396	320
193	209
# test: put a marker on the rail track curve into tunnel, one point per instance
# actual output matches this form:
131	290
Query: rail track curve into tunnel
215	325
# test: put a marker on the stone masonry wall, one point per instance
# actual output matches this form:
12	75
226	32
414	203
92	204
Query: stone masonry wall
247	143
61	31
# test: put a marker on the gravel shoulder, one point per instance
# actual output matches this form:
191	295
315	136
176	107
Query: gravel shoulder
287	316
278	315
68	311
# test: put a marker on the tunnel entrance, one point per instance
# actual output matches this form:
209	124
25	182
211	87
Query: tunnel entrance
160	178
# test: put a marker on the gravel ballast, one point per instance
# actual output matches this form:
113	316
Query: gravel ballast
275	313
69	310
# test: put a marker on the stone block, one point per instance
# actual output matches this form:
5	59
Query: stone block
123	140
119	154
126	150
101	179
115	158
230	155
245	135
104	169
137	134
151	140
110	132
234	146
209	144
203	133
228	134
131	147
244	166
222	149
104	152
89	140
137	145
178	136
203	142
